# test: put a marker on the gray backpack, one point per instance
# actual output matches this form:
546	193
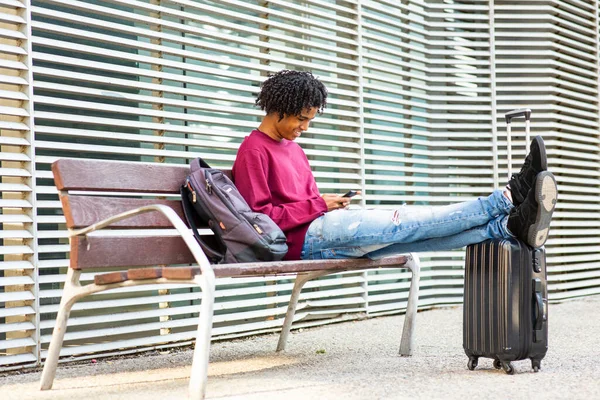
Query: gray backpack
210	198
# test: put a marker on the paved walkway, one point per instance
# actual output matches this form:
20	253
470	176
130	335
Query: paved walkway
352	360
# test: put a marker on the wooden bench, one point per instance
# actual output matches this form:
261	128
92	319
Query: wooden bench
122	196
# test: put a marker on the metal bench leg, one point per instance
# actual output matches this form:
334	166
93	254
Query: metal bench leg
70	295
301	279
407	341
199	373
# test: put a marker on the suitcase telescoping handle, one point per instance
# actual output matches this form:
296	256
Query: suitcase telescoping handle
521	112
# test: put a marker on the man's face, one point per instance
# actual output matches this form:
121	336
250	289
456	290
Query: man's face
292	126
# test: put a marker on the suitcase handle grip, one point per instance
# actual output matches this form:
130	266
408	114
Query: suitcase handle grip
540	316
521	112
540	312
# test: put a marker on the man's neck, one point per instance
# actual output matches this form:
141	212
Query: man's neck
267	127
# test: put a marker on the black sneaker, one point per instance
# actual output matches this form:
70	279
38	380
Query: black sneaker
530	221
521	183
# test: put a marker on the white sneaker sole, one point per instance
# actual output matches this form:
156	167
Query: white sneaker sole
546	193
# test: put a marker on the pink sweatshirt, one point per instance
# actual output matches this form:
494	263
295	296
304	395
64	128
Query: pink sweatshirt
275	179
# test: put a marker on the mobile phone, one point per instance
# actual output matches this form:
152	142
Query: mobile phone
350	193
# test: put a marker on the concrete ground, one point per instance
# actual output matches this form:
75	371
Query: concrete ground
351	360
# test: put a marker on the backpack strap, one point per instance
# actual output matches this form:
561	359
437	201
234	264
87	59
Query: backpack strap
214	256
203	163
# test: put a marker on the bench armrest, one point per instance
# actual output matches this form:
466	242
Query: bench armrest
177	223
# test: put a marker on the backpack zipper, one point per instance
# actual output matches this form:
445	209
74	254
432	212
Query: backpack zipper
191	190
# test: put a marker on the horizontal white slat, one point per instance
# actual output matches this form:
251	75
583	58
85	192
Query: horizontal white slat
14	187
16	280
57	263
14	172
14	35
47	204
6	250
12	80
11	18
49	219
12	95
13	126
572	294
16	296
16	311
7	49
572	276
574	286
4	156
17	359
15	4
17	326
13	111
15	265
15	343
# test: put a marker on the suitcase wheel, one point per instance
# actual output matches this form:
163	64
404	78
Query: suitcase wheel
497	364
507	367
536	365
472	363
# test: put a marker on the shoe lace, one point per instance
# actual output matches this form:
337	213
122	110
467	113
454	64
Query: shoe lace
526	164
518	180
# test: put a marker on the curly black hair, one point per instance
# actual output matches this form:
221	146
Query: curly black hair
290	92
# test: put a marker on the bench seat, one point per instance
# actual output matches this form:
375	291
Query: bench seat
250	269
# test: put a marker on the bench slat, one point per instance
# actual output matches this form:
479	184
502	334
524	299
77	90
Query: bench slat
118	176
110	277
279	267
82	211
253	269
144	273
108	252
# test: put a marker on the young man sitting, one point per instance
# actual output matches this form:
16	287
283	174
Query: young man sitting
272	173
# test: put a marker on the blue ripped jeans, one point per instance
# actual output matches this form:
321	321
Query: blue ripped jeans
376	233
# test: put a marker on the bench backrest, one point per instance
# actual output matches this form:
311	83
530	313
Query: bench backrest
93	190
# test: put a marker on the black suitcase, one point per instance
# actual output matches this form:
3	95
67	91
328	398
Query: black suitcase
505	313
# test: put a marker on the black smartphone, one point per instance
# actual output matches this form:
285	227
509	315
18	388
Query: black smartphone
350	193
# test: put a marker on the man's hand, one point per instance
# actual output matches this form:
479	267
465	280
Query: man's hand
335	201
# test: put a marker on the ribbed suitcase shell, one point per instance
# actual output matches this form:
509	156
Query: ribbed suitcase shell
505	303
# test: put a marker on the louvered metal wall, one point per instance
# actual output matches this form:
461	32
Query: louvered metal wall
418	91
